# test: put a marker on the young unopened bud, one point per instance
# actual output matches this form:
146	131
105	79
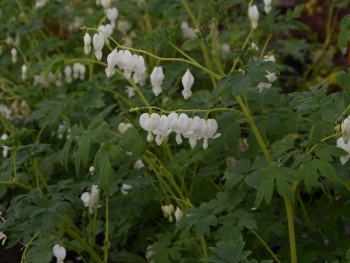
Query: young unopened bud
87	44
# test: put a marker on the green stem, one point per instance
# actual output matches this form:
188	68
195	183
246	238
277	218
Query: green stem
40	175
80	240
14	151
287	202
6	124
195	63
186	110
204	246
106	242
291	231
26	247
20	185
265	245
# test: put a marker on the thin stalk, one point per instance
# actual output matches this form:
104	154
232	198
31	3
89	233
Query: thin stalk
203	47
106	242
265	46
40	176
80	240
6	124
287	202
195	63
186	110
274	256
20	185
26	247
291	230
204	247
14	152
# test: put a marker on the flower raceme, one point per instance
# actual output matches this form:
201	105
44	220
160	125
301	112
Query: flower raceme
192	129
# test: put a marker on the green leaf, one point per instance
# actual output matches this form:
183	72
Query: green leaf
228	252
326	169
344	34
283	145
133	142
265	191
283	187
343	80
309	173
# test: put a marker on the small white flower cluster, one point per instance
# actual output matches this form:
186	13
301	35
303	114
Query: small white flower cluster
193	129
59	252
168	210
130	64
90	199
125	188
343	142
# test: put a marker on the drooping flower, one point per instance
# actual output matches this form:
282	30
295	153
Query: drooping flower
130	91
149	122
5	149
59	252
122	127
138	164
187	82
167	212
112	14
180	126
125	188
87	44
187	31
268	6
253	14
24	71
106	3
178	214
209	129
112	60
14	55
126	63
157	78
90	199
162	131
345	129
79	71
346	147
139	68
68	74
3	237
98	42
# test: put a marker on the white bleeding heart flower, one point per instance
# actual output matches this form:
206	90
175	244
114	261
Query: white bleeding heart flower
253	14
346	147
162	131
59	252
112	60
157	78
90	199
98	43
187	82
139	68
209	129
112	14
268	6
14	55
149	122
87	44
24	70
126	63
167	212
178	214
122	127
